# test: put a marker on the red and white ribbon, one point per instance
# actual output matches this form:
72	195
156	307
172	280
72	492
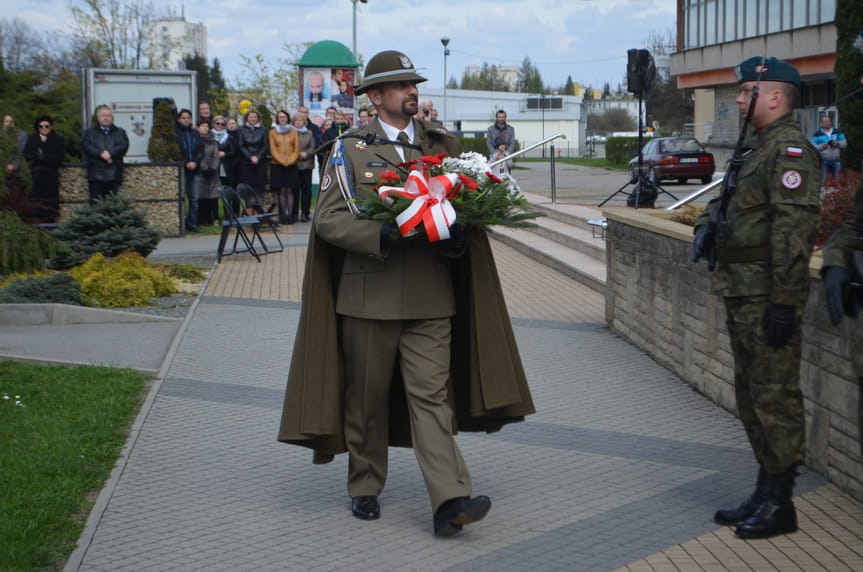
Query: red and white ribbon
430	204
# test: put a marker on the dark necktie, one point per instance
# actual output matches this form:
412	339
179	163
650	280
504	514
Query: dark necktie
406	150
105	130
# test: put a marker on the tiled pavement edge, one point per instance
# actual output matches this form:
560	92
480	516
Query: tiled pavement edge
622	466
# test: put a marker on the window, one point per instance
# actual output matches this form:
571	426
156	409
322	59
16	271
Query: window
730	21
710	22
828	11
798	15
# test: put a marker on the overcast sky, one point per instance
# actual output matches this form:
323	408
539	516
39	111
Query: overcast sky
584	39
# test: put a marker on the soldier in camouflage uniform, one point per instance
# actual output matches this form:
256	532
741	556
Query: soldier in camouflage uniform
839	270
763	275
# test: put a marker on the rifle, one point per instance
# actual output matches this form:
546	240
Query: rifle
717	223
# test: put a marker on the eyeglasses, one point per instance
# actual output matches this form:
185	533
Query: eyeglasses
44	125
220	123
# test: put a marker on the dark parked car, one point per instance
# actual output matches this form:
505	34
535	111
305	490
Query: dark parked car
678	158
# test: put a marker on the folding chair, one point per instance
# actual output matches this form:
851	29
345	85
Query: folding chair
233	221
252	199
235	207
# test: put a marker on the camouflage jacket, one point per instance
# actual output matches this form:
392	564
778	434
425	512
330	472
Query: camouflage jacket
772	217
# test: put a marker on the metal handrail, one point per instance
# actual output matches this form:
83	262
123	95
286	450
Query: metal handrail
695	194
526	149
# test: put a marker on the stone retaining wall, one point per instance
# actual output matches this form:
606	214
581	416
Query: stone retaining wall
660	301
155	186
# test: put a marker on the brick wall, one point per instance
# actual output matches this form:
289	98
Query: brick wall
155	186
660	301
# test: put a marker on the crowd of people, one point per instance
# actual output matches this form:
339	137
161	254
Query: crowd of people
214	151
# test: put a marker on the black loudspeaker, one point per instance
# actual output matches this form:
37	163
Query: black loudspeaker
640	71
633	78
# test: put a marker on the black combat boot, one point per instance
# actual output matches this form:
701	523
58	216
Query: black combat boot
777	515
732	516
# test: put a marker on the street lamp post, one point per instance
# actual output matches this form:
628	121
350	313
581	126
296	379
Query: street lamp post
445	42
356	57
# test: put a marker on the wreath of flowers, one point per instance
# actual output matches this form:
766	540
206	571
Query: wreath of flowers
432	195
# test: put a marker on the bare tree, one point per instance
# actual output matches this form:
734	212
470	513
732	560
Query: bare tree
112	33
21	47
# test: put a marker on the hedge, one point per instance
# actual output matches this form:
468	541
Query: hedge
620	150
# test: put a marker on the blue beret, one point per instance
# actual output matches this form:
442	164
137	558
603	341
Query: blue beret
771	70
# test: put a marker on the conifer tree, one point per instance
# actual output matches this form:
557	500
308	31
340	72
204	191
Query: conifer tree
849	63
111	225
163	147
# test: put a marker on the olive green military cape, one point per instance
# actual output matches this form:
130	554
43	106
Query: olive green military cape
487	387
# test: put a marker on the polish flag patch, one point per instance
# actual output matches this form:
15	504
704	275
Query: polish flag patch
791	180
794	151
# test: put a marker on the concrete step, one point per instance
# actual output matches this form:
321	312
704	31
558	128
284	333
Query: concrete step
562	240
580	266
575	237
575	215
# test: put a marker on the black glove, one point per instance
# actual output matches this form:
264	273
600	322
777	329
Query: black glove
698	242
456	241
778	323
391	237
836	279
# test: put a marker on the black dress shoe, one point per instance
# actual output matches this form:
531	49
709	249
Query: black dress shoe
455	513
305	218
366	508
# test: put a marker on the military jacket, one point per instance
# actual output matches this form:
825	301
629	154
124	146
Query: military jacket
412	282
772	217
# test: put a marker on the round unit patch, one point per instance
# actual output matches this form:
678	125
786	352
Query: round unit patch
326	182
791	180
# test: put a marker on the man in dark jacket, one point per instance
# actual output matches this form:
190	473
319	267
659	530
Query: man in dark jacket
191	151
105	145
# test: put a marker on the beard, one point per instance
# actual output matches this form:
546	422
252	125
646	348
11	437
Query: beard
410	107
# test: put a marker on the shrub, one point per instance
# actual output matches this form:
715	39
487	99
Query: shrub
109	226
163	141
836	205
56	288
22	247
186	272
620	150
127	280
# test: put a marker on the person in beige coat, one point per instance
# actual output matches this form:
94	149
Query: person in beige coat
400	342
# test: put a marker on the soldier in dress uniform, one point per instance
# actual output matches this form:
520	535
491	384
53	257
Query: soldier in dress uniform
401	379
763	275
843	267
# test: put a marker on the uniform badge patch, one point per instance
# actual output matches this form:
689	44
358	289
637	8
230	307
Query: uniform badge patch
361	145
791	180
326	181
794	151
369	175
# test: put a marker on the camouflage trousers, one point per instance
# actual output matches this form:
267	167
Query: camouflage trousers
767	385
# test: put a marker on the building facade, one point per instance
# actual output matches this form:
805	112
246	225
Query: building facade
533	116
172	39
713	36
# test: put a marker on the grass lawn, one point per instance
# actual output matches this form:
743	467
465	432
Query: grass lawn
61	430
584	161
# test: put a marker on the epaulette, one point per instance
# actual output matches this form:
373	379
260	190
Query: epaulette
325	146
